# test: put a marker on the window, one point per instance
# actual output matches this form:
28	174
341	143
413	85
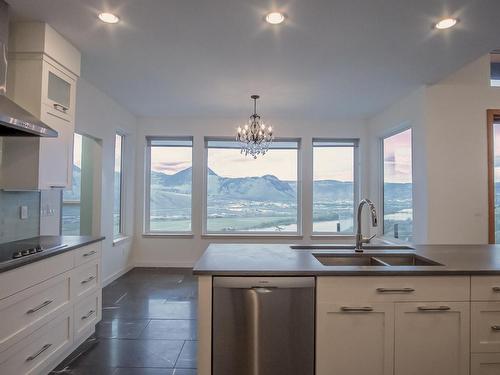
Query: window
495	68
80	213
398	187
335	189
251	196
494	175
169	185
71	205
118	227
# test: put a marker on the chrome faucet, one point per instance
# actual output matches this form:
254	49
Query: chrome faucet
359	235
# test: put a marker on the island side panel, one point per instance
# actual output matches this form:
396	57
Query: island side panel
204	325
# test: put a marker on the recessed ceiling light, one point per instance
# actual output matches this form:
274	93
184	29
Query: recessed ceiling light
275	18
109	18
446	23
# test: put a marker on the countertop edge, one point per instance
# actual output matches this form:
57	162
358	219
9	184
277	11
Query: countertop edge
11	265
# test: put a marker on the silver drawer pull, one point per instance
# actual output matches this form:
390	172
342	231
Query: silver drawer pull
39	307
89	253
33	356
89	314
395	290
495	328
434	308
83	282
356	309
60	107
496	289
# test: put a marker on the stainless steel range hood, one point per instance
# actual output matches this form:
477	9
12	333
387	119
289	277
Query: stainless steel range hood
14	120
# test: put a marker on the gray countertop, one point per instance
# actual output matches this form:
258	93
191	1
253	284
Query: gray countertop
280	259
69	243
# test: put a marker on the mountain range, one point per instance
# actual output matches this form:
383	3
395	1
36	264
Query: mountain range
173	190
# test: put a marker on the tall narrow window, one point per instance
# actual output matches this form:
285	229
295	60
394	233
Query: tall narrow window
118	229
79	208
335	187
72	197
252	196
494	175
398	185
169	184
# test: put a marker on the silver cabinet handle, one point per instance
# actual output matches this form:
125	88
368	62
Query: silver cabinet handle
496	289
87	280
33	356
57	186
39	307
495	328
434	308
395	290
89	314
356	309
89	253
60	107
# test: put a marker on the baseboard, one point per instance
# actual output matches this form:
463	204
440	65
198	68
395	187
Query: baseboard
113	277
164	264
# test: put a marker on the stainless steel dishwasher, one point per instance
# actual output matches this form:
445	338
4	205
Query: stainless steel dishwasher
263	326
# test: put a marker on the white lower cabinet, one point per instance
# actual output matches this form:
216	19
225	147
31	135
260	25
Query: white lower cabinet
395	325
485	364
32	354
345	330
432	338
53	312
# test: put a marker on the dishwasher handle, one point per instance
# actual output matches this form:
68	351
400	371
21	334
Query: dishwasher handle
263	282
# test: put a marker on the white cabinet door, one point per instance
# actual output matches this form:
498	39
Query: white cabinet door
485	327
354	339
485	364
432	338
56	154
59	92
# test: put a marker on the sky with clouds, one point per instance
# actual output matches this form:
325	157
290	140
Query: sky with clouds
397	158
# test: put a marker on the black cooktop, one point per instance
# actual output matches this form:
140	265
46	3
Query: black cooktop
29	247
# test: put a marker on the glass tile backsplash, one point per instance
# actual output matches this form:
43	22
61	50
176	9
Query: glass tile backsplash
12	227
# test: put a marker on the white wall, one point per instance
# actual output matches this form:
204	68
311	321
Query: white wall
183	252
450	154
98	116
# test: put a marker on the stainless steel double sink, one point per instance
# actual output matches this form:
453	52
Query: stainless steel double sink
337	255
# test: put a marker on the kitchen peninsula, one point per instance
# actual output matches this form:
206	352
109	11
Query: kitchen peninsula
428	310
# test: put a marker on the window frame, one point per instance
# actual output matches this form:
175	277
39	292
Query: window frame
384	136
121	228
147	187
253	234
356	183
493	116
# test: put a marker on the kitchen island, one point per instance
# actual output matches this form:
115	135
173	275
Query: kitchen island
438	315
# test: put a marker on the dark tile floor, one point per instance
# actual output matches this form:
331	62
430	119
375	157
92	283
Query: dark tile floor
148	326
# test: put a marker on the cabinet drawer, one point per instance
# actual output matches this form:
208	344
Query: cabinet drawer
87	253
87	314
485	327
85	279
485	364
392	289
21	278
485	288
26	311
35	352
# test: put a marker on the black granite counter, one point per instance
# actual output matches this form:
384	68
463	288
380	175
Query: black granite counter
281	259
50	245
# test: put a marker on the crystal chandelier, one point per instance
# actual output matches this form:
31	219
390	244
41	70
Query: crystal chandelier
255	137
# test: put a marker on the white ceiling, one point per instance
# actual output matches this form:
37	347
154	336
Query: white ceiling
332	59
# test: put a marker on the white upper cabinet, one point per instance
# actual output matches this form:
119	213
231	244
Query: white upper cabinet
42	76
